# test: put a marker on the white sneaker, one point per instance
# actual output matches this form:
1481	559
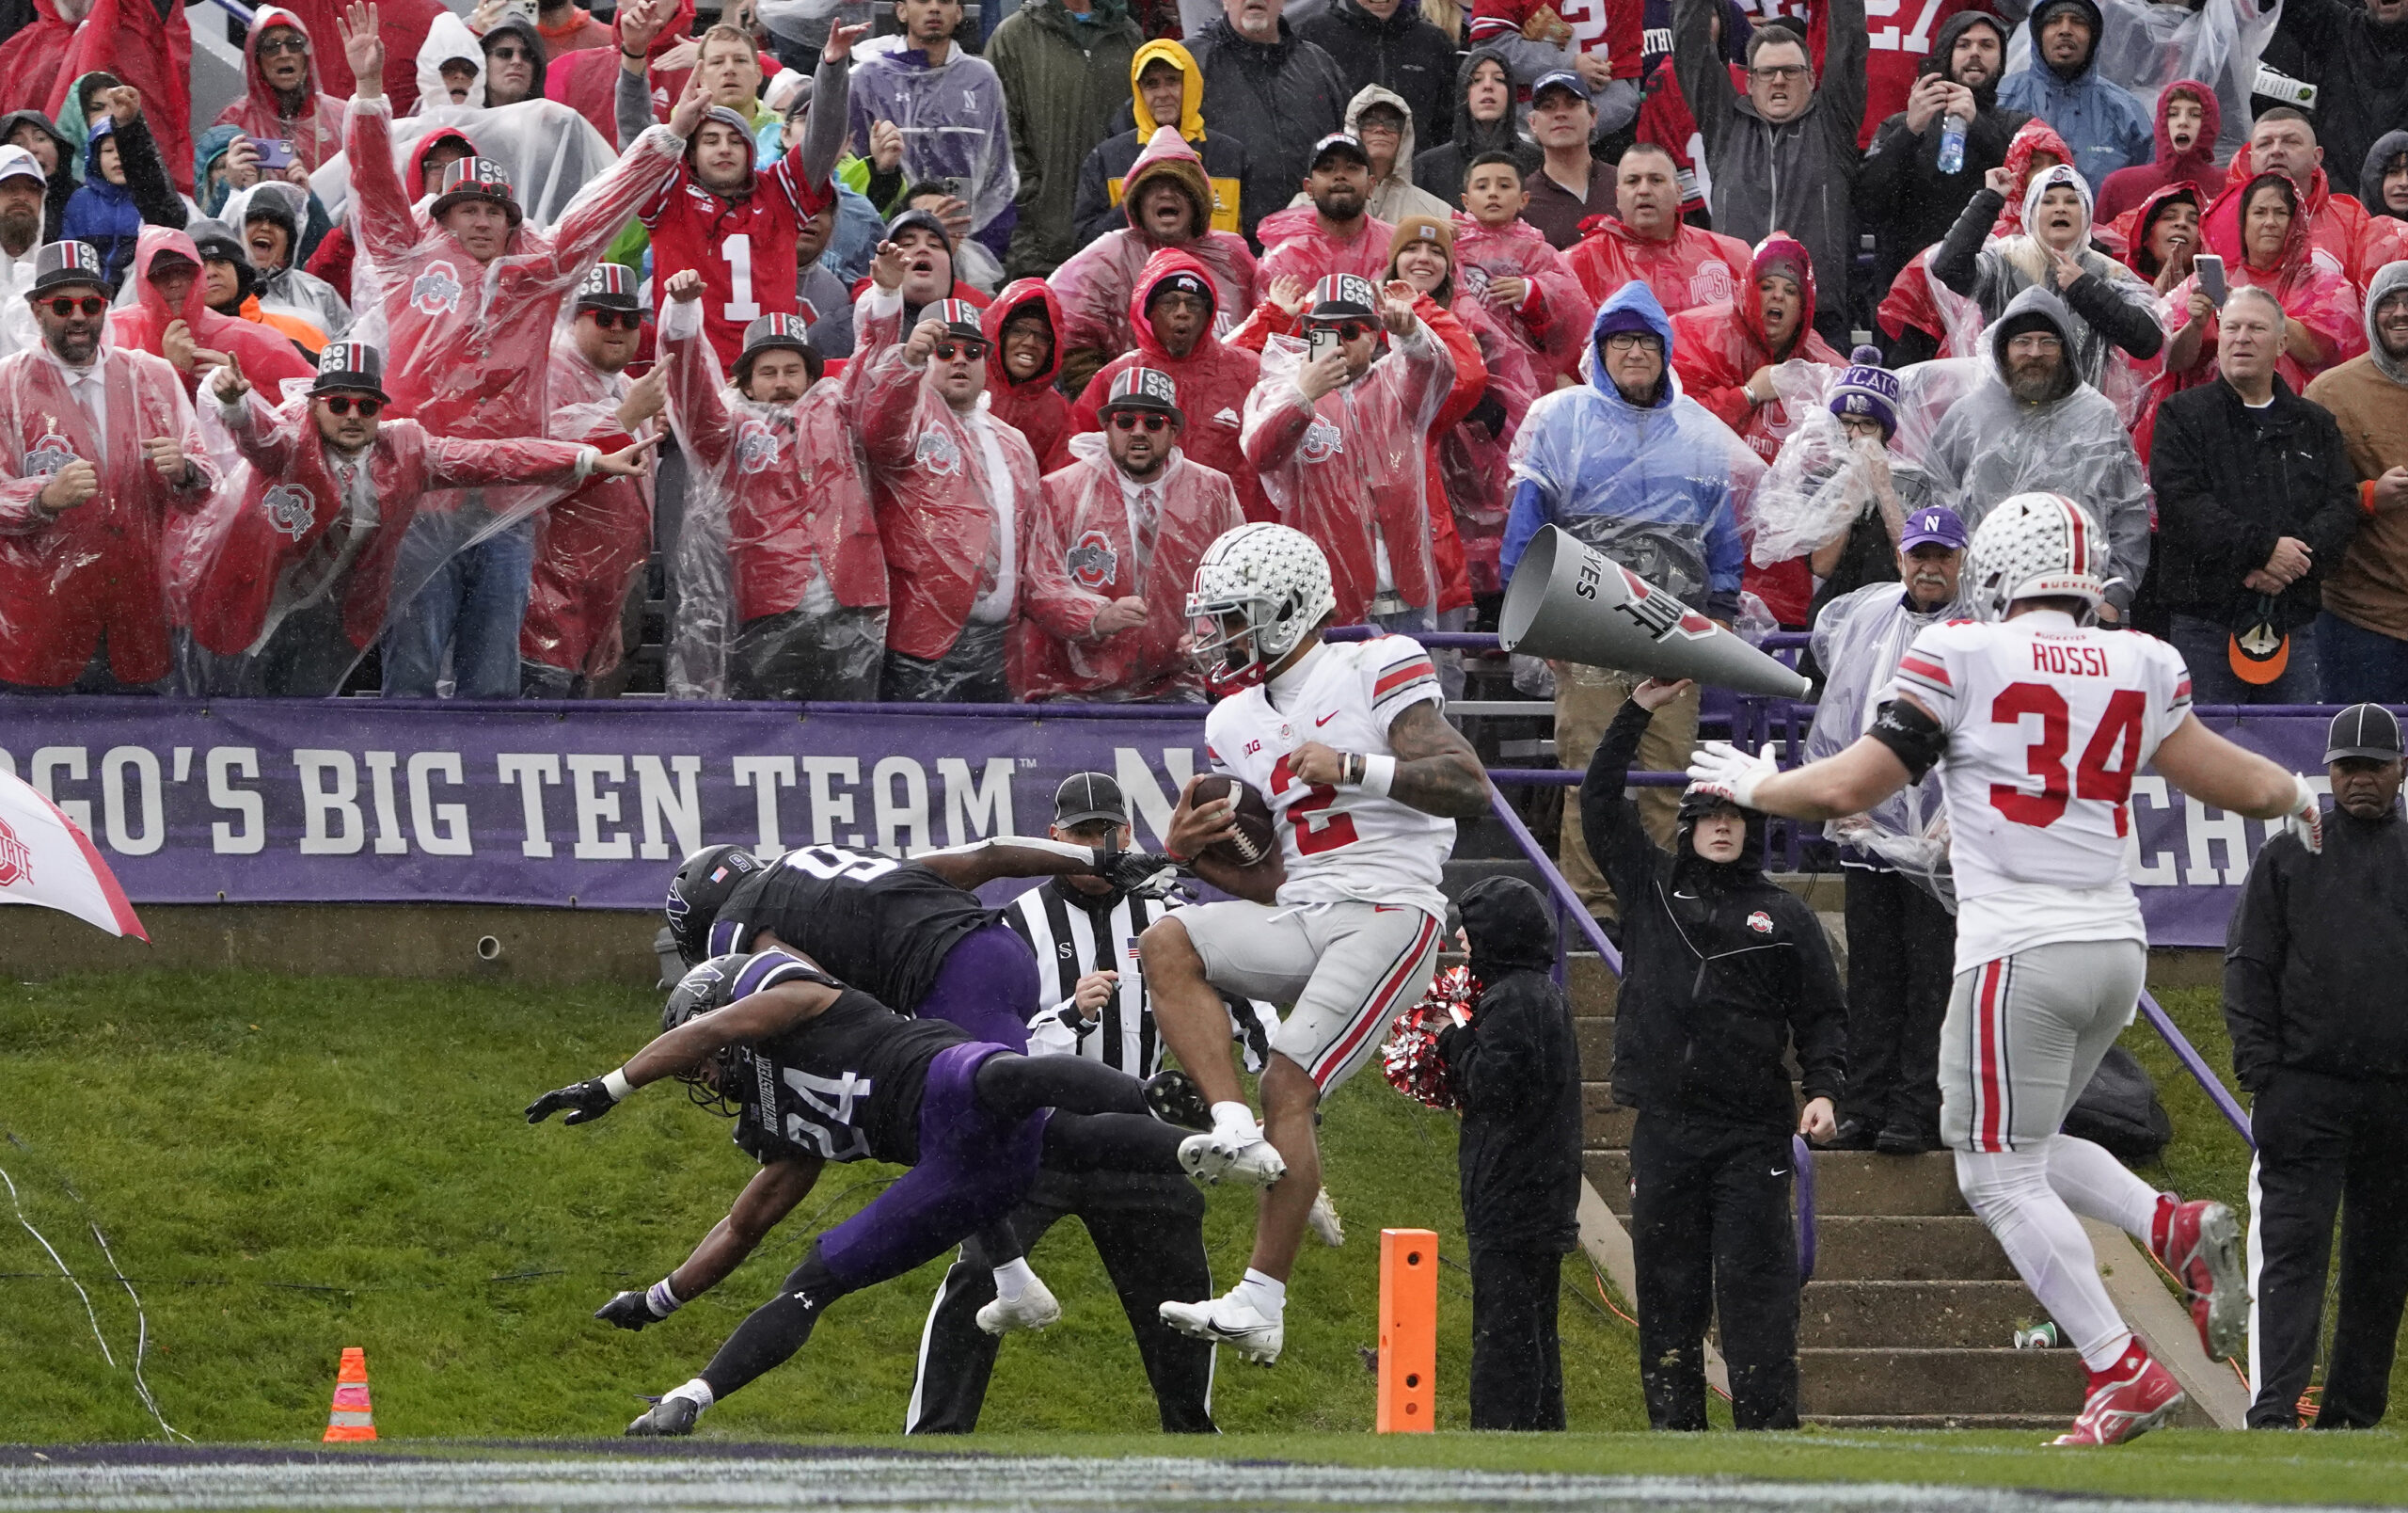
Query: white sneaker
1232	1321
1035	1308
1213	1158
1324	1221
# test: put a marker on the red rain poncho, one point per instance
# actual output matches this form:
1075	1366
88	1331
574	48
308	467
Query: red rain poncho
267	357
1095	285
401	26
2309	281
100	567
587	80
1036	408
1716	350
929	482
1472	471
278	516
127	40
1295	246
2126	187
1553	322
1349	471
2358	243
1696	267
1080	550
316	134
1213	380
590	545
33	58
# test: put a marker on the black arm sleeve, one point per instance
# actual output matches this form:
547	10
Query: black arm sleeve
1954	261
2257	946
1609	819
145	178
1499	1058
1912	735
1818	1016
2119	320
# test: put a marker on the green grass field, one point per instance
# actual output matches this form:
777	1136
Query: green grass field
288	1167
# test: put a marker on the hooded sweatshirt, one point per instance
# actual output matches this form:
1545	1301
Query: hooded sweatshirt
1516	1067
1991	445
2110	306
1102	176
1917	300
516	24
267	357
1213	380
2388	148
1908	202
1062	94
315	130
1404	54
955	126
1032	407
1442	169
1651	486
1724	971
2194	166
1095	285
62	180
2106	123
2369	398
102	213
1394	196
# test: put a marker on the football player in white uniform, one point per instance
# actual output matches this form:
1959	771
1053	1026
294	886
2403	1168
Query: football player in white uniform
2038	719
1365	780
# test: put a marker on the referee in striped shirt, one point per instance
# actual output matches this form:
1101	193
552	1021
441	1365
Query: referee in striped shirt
1147	1230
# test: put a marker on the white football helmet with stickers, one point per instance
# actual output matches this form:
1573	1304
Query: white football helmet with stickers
2036	546
1258	590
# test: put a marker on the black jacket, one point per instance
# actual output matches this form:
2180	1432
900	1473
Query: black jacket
1722	968
1908	202
2314	957
2229	481
1279	99
1403	53
2360	71
1442	169
1517	1068
62	182
1092	212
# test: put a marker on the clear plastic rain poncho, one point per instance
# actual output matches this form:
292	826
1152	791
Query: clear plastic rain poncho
1858	641
589	547
1823	482
2148	46
1665	489
1475	457
780	582
1350	472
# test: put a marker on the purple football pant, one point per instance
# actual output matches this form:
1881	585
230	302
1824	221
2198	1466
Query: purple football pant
988	986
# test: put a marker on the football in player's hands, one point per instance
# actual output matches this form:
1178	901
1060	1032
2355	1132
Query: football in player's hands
627	1310
1252	840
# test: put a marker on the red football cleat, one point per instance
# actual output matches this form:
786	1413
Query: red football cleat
2202	1248
2126	1401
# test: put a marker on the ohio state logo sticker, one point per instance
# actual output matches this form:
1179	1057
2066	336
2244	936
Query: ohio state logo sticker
757	447
291	509
1092	564
1474	280
1710	282
437	291
52	452
16	860
1760	922
938	455
1321	441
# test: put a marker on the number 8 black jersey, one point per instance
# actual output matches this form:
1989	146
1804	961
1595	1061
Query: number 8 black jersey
880	925
844	1085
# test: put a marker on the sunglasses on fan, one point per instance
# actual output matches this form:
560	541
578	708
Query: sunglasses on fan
90	305
947	351
1130	420
617	319
343	404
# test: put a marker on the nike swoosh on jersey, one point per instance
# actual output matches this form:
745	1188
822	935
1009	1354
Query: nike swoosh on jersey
1325	719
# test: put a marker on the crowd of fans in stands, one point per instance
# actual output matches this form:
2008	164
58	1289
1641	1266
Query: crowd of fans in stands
924	364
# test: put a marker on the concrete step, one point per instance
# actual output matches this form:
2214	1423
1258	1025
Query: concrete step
1924	1314
1877	1381
1596	1038
1920	1248
1605	1124
1591	989
1845	1183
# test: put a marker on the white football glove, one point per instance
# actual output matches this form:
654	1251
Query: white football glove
2306	819
1724	771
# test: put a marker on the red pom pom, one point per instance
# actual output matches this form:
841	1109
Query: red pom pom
1410	1060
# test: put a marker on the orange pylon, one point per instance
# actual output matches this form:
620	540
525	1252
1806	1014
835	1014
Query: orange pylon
351	1419
1408	1332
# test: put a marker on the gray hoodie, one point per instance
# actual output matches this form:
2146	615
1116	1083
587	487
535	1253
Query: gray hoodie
1991	445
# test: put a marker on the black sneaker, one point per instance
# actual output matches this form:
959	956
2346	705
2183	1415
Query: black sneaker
1175	1099
1854	1134
667	1416
1898	1138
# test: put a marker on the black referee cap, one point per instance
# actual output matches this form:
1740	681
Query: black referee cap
2366	730
1085	796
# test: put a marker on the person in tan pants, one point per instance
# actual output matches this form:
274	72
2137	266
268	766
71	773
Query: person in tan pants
1586	699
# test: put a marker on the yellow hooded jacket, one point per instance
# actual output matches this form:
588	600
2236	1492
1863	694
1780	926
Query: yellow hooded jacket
1191	122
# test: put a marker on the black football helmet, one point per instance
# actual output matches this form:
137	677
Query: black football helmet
702	990
697	893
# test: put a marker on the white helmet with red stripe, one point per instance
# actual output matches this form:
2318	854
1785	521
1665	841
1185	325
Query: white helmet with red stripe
2036	546
1258	590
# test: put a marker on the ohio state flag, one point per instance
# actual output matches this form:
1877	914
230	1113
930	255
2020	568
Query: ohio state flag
44	859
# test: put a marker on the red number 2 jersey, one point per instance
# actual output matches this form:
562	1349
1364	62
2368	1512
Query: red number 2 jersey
2047	721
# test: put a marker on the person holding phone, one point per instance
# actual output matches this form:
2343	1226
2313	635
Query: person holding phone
2259	236
291	124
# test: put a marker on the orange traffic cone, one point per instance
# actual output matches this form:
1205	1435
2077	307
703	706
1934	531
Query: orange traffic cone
351	1419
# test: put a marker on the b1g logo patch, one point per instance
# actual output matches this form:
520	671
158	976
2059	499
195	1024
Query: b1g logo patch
1092	564
48	455
757	447
16	859
938	454
436	292
1760	922
291	509
1321	441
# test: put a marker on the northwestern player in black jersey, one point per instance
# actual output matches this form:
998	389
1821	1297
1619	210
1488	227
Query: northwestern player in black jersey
814	1073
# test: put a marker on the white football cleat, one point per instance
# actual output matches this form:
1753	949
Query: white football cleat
1035	1308
1324	1221
1212	1158
1229	1320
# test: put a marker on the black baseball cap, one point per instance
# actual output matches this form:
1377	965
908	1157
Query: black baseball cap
1085	796
2366	730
